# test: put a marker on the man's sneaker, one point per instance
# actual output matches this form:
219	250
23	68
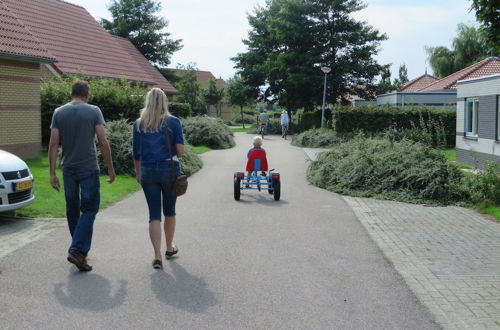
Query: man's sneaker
79	261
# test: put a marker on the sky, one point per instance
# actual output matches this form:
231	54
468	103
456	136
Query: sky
212	31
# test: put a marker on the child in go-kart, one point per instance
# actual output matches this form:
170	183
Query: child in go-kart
257	153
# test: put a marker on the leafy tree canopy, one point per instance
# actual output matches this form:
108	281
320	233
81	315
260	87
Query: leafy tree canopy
290	40
137	21
240	93
488	14
188	86
468	47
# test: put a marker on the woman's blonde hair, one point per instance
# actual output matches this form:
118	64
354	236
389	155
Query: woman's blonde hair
155	111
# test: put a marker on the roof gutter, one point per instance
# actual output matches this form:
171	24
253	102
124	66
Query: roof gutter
26	58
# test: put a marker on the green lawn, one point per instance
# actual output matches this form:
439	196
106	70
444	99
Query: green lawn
241	129
494	211
50	204
451	155
201	149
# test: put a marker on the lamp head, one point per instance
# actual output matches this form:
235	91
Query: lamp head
325	69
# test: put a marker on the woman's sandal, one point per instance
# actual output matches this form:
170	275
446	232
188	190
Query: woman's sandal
157	264
169	255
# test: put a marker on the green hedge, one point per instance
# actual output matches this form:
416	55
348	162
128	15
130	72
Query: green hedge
374	119
317	138
306	120
119	136
181	110
116	98
210	132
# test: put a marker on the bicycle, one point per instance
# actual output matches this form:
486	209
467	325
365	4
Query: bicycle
284	131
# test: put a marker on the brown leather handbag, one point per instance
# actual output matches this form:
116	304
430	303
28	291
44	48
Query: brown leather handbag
180	183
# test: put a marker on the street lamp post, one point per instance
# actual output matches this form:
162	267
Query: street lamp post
325	70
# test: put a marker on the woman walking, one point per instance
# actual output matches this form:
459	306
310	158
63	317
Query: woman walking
158	143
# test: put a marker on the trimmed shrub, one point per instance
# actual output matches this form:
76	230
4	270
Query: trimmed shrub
317	138
306	120
373	119
247	119
484	187
119	136
403	171
181	110
209	132
190	161
116	98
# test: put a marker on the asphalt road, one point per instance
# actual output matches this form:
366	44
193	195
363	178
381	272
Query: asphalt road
304	262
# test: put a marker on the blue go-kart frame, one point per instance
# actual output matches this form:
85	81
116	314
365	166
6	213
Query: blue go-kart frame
256	181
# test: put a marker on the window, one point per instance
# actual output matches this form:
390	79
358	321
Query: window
498	117
471	110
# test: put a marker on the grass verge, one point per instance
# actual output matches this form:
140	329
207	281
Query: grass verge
451	155
51	204
241	129
494	211
201	149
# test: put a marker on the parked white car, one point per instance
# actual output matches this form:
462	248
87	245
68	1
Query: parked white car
16	182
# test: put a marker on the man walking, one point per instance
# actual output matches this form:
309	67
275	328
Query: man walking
74	126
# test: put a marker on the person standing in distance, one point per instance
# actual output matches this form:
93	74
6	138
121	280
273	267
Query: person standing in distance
74	127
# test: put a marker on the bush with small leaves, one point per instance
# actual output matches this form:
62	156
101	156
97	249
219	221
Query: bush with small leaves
210	132
317	138
401	170
190	161
119	136
484	187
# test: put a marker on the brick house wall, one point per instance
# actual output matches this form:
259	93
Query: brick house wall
20	114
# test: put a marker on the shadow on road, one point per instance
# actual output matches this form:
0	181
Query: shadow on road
265	200
89	291
182	290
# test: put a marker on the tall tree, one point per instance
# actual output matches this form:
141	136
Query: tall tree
402	76
290	40
189	88
240	93
213	96
488	14
138	21
468	47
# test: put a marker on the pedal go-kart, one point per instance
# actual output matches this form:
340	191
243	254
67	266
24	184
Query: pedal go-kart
254	181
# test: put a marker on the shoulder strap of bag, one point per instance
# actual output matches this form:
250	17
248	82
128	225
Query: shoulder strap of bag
170	150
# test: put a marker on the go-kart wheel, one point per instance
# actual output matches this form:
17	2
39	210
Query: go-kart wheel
237	191
277	189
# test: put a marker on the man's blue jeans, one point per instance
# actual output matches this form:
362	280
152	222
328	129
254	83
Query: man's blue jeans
81	188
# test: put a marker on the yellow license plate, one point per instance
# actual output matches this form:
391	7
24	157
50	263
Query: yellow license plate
23	185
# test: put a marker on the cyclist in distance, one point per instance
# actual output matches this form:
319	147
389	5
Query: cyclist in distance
264	119
284	124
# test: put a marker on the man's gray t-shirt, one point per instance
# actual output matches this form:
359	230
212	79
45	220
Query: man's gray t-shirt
76	122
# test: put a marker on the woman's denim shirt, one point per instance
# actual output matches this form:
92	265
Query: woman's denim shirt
152	147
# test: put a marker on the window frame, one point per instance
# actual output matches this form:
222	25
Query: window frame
474	127
498	119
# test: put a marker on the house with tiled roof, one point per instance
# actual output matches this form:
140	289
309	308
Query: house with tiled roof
418	83
225	110
478	120
81	45
428	90
21	54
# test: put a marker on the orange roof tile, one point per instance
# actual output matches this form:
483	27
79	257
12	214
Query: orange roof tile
418	83
160	80
78	42
203	77
17	40
486	67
